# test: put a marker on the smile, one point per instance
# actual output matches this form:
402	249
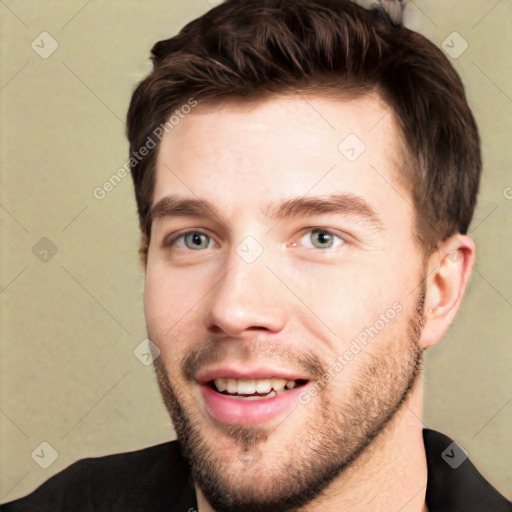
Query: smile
250	401
254	389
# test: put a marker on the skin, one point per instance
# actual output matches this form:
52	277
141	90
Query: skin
297	299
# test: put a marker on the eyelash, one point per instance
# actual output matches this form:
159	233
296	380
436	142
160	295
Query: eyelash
173	239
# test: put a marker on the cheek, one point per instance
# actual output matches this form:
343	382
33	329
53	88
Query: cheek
171	306
161	306
169	294
342	294
154	297
351	297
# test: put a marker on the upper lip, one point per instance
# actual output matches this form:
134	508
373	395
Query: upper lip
238	372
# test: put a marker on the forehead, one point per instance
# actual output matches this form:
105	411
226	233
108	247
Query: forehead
283	146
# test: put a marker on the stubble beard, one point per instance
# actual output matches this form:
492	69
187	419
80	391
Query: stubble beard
326	445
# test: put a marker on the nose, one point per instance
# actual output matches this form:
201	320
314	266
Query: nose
246	300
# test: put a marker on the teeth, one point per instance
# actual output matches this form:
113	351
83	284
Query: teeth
256	397
264	386
252	386
279	384
246	387
231	386
221	384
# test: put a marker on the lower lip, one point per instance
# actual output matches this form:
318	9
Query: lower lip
237	411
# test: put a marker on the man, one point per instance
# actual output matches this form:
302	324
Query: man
305	174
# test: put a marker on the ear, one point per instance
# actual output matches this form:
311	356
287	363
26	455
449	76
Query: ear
143	249
449	270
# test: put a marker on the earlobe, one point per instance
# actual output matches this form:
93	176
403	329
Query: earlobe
449	270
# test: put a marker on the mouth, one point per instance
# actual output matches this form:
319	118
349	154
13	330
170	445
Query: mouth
243	398
254	389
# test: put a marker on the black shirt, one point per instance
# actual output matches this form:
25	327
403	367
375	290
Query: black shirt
157	479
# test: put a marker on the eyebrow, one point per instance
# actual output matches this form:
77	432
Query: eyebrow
340	204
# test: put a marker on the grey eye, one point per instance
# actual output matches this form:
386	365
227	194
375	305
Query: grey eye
196	241
321	239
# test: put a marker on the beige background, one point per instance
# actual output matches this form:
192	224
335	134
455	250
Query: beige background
70	325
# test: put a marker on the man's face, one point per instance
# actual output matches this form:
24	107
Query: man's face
307	272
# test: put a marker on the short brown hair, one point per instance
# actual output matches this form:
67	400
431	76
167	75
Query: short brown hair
255	48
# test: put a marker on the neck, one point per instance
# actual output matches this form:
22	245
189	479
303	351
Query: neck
390	474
